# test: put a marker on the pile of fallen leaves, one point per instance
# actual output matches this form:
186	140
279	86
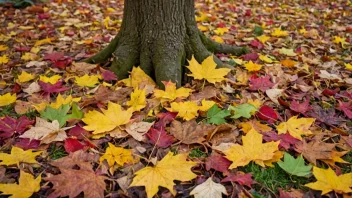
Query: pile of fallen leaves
69	128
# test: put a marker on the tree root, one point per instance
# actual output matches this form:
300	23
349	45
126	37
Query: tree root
104	54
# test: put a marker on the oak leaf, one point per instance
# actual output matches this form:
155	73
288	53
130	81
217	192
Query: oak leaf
171	93
7	99
18	156
164	173
26	186
209	189
252	150
328	181
207	70
111	118
296	127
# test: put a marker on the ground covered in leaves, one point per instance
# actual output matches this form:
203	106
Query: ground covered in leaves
277	125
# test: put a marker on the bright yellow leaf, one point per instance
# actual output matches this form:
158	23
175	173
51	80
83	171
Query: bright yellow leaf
348	66
167	170
138	77
28	56
202	18
206	105
288	63
171	93
336	157
277	156
3	48
287	52
7	99
26	186
257	103
118	155
254	124
296	127
252	150
263	38
138	99
218	39
62	101
111	118
279	33
328	181
265	59
186	110
42	42
25	77
87	81
52	80
18	156
250	66
340	40
221	31
207	70
4	59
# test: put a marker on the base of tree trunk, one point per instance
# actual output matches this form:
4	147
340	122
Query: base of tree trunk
159	35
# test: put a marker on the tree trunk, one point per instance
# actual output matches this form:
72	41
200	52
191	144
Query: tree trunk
159	35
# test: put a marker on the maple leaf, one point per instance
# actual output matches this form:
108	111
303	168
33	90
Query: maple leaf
209	189
252	150
346	107
251	57
328	181
327	116
186	110
263	38
118	155
10	126
55	56
221	31
18	156
296	127
266	59
26	186
4	59
46	132
241	178
217	162
52	80
254	124
190	132
287	52
206	105
243	110
340	40
138	99
163	174
279	33
207	70
7	99
159	137
217	116
335	157
72	145
138	129
52	88
164	119
348	66
171	93
295	166
315	150
257	44
87	81
111	118
25	77
286	140
3	48
267	113
137	77
60	114
262	83
250	66
288	63
300	107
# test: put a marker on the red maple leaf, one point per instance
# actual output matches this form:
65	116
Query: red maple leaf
286	140
26	143
9	126
164	119
55	88
300	107
160	138
262	83
257	44
268	114
108	75
251	57
218	163
242	179
346	107
55	56
72	145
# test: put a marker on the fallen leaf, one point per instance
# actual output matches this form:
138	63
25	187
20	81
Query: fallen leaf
138	99
186	110
217	162
209	189
26	186
296	127
9	126
7	99
18	156
243	110
138	129
262	83
190	132
159	137
295	166
315	150
171	93
217	116
118	155
250	66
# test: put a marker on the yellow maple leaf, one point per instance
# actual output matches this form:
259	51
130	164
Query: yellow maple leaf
87	81
206	105
287	52
3	48
138	99
18	156
257	103
7	99
336	157
62	101
207	70
111	118
52	79
279	33
26	186
171	93
137	77
202	18
28	56
25	77
296	127
167	170
288	63
252	150
348	66
250	66
340	40
254	124
42	42
277	156
186	110
266	59
328	181
263	38
118	155
218	39
221	31
4	59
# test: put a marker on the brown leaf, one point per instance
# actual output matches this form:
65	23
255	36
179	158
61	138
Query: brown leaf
104	94
79	158
190	132
315	150
207	93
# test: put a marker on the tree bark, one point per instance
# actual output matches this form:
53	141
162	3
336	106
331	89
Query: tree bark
159	35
